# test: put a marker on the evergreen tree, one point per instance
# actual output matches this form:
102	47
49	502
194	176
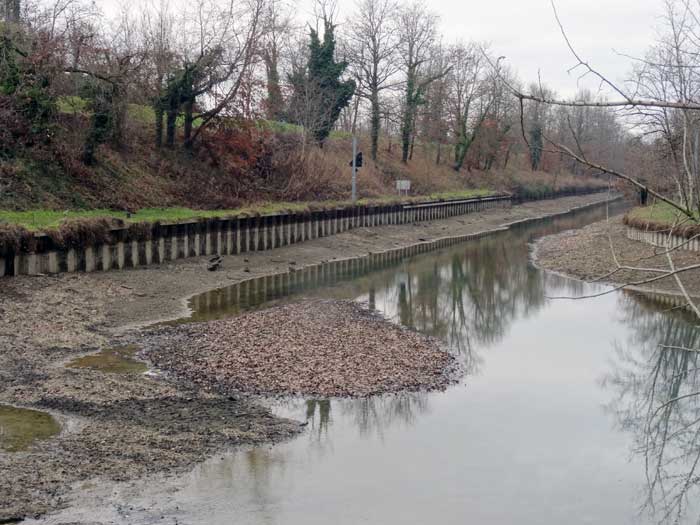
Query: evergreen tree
319	93
536	146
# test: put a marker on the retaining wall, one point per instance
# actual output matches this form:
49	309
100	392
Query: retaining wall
228	236
663	240
221	302
258	290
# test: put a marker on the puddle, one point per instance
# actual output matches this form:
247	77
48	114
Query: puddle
120	360
20	428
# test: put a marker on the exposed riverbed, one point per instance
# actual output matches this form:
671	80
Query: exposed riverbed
594	252
525	425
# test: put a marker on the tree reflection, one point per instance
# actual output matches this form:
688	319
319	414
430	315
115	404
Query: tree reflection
469	296
319	424
657	384
374	415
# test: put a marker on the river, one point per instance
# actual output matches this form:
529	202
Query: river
559	418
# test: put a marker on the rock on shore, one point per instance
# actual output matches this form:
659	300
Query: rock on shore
320	348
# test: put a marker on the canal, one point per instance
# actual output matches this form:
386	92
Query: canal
562	416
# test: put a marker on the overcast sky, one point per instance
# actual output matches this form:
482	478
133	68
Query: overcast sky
526	32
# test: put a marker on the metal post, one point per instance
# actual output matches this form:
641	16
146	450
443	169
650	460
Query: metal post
354	168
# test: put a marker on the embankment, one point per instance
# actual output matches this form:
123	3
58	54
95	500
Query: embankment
604	252
124	426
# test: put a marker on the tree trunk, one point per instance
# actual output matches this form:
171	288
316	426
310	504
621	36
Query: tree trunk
159	113
406	135
171	123
507	157
462	145
413	145
275	100
407	124
12	11
375	122
189	120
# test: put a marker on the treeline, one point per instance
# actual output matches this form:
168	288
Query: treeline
211	67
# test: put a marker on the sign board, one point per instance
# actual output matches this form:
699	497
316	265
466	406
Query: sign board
403	186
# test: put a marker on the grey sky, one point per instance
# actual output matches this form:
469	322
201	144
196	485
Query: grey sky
525	31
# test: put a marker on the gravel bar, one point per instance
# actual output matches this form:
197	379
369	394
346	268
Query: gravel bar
321	348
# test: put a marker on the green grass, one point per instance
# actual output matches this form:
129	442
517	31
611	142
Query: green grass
73	105
42	220
39	220
660	213
277	126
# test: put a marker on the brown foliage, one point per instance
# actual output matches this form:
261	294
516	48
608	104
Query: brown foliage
14	239
325	348
84	232
687	231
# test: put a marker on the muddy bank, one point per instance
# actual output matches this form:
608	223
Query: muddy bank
318	348
119	430
121	426
586	254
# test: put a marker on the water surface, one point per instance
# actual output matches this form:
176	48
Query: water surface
119	360
562	417
20	428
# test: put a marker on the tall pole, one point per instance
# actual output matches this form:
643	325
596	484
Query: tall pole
354	168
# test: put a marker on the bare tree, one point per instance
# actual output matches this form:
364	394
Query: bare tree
418	32
679	104
433	117
373	43
466	81
275	36
158	29
217	57
12	10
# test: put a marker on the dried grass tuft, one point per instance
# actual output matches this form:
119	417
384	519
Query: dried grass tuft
15	239
77	233
687	231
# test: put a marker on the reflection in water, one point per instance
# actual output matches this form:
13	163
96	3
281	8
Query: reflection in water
373	414
656	380
521	440
466	295
469	296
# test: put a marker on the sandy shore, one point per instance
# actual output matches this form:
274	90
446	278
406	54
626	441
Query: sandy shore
587	254
123	426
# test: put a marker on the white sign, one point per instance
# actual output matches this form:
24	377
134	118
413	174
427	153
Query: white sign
403	185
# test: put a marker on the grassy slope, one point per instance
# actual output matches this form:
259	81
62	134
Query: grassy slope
660	213
38	191
660	217
41	220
